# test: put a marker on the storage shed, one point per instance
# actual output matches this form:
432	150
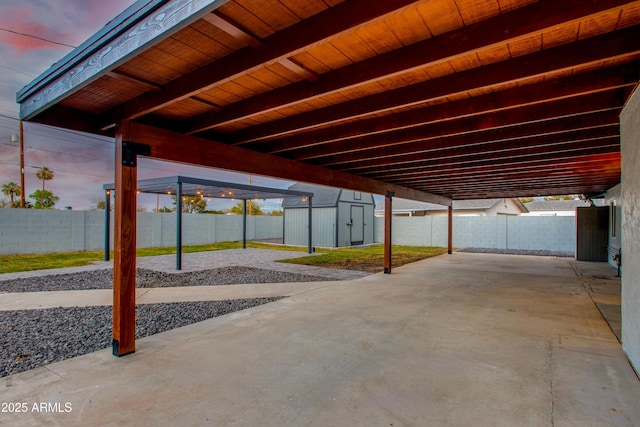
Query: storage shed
339	217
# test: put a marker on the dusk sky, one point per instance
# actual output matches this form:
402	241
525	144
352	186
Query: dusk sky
81	163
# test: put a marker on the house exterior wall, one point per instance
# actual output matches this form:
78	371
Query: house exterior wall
630	195
613	199
26	231
504	207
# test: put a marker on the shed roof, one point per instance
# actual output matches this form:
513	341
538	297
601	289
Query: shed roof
322	196
413	205
432	100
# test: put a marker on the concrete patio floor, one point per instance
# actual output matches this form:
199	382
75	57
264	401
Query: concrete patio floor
460	340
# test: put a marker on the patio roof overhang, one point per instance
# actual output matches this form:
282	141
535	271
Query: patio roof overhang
429	100
432	100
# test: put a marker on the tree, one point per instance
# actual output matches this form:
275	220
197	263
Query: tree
252	208
165	209
276	213
11	189
101	205
44	199
44	174
192	204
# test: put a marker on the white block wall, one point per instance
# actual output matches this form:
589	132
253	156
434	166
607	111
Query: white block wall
24	231
553	233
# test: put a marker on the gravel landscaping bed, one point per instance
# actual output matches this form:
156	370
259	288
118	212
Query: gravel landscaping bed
103	279
32	338
518	252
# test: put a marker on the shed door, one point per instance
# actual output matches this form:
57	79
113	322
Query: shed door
357	225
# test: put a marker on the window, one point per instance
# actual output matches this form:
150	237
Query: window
357	195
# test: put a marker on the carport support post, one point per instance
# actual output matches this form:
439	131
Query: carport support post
387	231
244	223
124	258
107	224
310	224
450	229
179	227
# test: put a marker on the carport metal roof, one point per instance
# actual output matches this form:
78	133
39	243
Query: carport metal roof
198	187
432	100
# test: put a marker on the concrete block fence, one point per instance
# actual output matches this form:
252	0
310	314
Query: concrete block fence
552	233
44	231
25	231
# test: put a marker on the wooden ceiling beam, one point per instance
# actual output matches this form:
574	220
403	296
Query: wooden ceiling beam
527	183
546	91
175	147
454	167
528	136
280	45
508	27
232	28
619	44
509	174
498	153
400	141
541	162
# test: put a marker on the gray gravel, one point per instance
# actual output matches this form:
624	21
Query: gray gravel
103	279
518	252
32	338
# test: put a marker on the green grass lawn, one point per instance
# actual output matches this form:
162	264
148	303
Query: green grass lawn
28	262
365	259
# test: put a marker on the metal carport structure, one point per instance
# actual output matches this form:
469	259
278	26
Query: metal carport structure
180	186
426	100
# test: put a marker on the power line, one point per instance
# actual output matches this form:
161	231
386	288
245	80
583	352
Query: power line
36	37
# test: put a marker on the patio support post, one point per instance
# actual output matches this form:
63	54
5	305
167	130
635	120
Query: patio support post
124	259
244	223
179	227
387	231
450	229
107	224
310	224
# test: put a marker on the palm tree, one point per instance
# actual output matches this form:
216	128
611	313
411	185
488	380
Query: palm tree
44	174
11	189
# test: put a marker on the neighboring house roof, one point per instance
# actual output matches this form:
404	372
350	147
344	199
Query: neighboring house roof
556	205
322	196
404	205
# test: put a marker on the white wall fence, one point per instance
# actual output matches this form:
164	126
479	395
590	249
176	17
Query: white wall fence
45	231
551	233
25	231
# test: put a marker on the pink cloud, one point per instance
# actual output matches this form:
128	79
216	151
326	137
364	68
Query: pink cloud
19	18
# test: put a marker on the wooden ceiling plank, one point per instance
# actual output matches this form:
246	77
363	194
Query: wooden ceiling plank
208	153
429	169
545	91
538	64
354	149
437	50
543	164
282	44
554	162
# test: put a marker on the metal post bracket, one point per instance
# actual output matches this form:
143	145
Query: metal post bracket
131	150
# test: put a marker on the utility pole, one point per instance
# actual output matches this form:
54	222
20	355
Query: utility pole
22	201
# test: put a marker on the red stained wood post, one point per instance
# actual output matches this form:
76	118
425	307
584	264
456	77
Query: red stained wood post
387	231
450	231
124	260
